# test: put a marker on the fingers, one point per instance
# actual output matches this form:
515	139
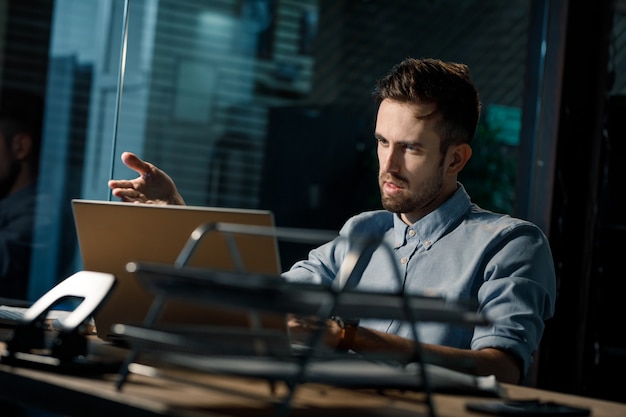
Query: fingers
128	190
121	184
301	330
129	195
135	163
153	185
308	323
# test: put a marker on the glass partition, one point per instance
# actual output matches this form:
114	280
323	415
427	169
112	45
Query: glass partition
81	111
251	103
267	104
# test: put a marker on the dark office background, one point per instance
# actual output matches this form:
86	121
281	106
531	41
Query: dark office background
266	104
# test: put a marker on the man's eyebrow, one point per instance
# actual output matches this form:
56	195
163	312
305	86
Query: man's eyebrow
408	142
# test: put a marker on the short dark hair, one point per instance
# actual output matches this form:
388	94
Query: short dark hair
445	84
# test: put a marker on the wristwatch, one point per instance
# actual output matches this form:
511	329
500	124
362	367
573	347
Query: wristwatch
348	332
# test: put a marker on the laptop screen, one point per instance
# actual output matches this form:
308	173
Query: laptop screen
112	234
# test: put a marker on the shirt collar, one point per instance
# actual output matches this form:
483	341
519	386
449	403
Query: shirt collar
437	223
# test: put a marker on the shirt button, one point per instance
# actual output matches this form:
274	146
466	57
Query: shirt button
403	260
411	232
427	243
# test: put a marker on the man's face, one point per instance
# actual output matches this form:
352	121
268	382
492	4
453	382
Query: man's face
411	175
9	166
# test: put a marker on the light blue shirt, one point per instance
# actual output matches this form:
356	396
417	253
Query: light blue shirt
458	251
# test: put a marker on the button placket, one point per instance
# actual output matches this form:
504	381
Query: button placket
410	238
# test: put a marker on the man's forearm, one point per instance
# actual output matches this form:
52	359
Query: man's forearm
503	365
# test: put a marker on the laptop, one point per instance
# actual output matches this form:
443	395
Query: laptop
112	234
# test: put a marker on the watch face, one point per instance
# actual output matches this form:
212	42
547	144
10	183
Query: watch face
343	321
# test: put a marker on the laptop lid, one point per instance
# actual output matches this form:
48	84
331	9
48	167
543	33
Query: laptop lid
112	234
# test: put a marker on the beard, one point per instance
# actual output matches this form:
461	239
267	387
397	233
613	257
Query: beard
409	201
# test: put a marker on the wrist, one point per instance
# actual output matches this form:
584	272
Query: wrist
347	333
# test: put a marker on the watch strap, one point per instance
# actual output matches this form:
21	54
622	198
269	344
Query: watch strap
348	332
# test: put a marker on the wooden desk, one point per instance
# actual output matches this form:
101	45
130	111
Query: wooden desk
221	396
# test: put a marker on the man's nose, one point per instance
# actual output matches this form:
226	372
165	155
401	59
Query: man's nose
388	160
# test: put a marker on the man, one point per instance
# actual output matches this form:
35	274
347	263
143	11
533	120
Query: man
20	130
428	113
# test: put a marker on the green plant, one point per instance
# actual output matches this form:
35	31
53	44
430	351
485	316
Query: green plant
489	176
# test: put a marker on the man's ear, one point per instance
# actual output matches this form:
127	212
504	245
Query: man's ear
21	145
458	155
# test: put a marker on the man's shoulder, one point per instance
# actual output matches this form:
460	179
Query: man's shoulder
499	222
